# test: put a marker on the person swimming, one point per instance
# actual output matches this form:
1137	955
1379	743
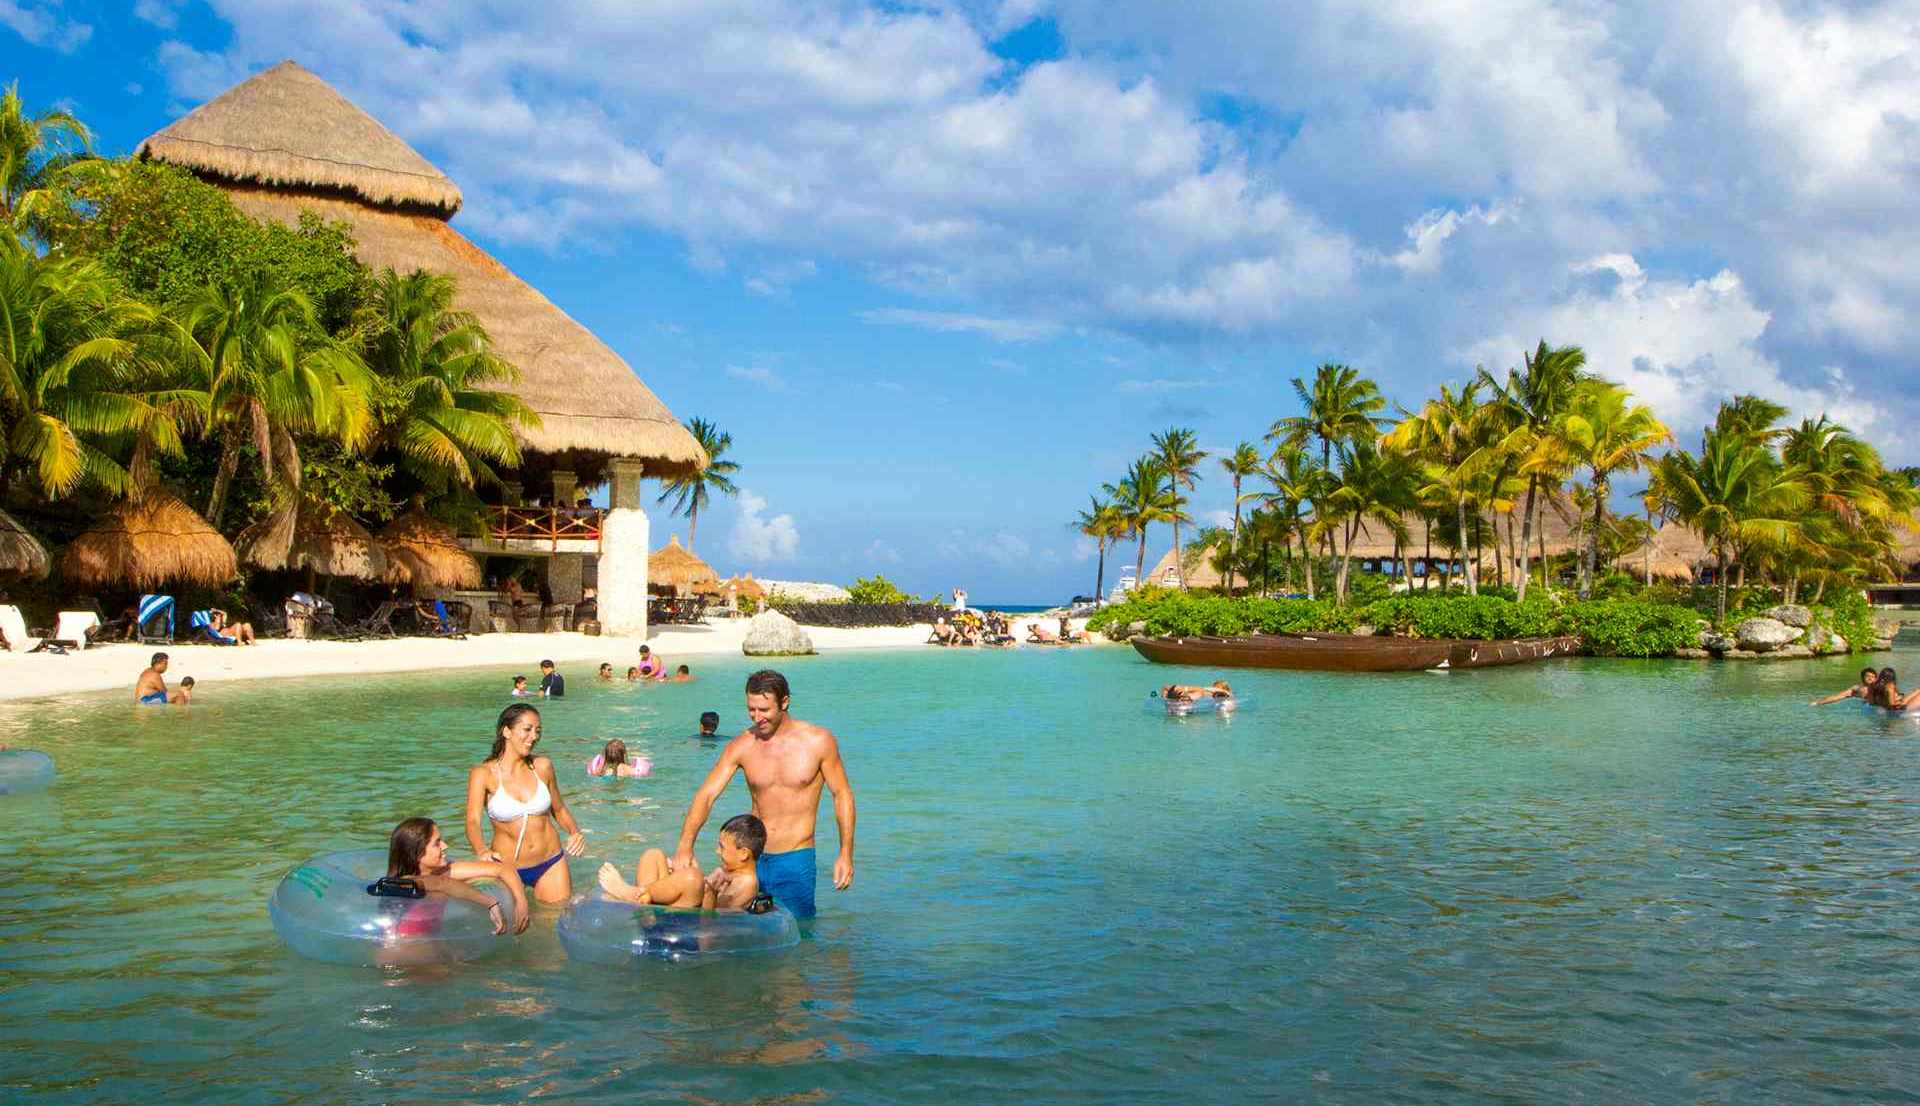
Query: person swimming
614	762
1862	690
709	725
518	793
1886	692
651	666
1177	693
417	854
519	687
606	673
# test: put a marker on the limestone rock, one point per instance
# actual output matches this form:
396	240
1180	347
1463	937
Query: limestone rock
1822	640
1764	635
1792	614
1135	629
1714	641
1692	654
1794	651
1363	630
1739	655
772	634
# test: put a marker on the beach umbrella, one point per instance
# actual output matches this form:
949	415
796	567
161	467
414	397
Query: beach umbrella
325	541
425	552
147	542
21	554
673	567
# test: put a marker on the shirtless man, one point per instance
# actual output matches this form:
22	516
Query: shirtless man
151	687
785	761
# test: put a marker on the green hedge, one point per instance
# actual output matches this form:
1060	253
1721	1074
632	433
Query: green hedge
1607	627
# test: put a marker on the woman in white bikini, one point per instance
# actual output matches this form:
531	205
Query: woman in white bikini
517	792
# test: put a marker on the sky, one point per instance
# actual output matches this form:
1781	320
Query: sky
941	269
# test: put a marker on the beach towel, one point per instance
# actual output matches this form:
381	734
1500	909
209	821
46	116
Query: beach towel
203	621
152	608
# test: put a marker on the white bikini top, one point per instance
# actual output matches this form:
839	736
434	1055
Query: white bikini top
502	807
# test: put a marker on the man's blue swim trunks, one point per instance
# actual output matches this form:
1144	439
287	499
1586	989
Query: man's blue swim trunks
154	699
789	878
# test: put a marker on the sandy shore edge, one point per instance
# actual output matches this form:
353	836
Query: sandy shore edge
113	667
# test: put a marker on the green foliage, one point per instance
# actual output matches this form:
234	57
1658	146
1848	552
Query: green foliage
877	589
1848	614
749	605
1615	627
345	481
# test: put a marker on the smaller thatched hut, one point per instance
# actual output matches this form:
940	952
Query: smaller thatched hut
425	552
1198	571
744	587
1674	552
325	542
673	568
146	543
21	554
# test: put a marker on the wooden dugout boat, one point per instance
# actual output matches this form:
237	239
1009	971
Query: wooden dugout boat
1349	652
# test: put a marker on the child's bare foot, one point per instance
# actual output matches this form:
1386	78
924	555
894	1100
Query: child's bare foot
615	885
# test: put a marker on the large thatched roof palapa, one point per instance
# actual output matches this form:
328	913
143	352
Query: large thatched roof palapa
1199	572
21	554
146	543
328	542
426	553
333	159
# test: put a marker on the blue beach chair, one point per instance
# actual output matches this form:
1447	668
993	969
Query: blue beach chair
203	622
155	610
446	627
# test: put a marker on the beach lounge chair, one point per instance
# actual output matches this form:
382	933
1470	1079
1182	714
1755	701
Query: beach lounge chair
76	628
380	622
13	624
444	624
154	623
203	622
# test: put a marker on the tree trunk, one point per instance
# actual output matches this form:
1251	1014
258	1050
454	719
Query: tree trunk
1524	562
1649	549
1306	559
1140	560
222	480
1100	576
1427	558
1819	589
1346	567
1473	580
1591	554
1233	544
693	520
1179	562
1720	556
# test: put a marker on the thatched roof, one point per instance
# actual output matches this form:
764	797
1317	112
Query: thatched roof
242	135
21	554
1199	573
676	568
329	542
588	399
1678	554
425	552
744	587
1556	525
147	543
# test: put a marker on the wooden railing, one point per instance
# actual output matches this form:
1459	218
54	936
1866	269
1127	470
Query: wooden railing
548	524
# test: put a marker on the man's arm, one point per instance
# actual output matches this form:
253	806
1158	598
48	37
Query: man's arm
835	772
703	800
1834	698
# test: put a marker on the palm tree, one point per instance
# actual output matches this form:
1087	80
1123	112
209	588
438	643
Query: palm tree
1536	397
1102	522
271	373
33	151
692	489
1448	438
1607	433
1735	493
1371	486
1340	406
1751	416
1244	461
83	371
1144	498
1294	480
432	364
1179	454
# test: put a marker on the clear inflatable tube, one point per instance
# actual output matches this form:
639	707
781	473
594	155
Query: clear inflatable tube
1180	708
24	770
598	930
322	911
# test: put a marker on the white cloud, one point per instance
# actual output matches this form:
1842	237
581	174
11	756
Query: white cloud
758	374
1222	518
43	26
879	552
1004	330
890	386
1161	385
164	14
758	539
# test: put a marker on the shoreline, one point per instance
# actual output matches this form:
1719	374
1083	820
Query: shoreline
113	666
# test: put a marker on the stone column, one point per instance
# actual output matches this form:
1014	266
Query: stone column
565	484
512	494
624	536
623	480
564	572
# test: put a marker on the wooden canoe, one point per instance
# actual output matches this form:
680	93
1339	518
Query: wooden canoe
1349	652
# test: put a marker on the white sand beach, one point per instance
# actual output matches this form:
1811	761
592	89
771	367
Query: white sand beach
114	666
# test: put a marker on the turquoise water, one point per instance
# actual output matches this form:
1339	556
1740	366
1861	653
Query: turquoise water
1609	881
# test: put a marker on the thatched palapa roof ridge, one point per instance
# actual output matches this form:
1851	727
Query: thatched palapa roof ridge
425	552
240	136
329	542
675	567
21	554
1199	571
350	169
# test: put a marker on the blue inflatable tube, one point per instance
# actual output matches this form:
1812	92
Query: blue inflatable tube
322	911
24	770
598	930
1181	708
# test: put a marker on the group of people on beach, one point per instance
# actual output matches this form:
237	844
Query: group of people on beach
968	627
1879	687
516	817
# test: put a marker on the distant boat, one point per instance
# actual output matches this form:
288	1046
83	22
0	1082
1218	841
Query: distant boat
1121	587
1350	652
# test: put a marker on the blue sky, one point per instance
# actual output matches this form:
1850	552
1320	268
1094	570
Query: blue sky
941	268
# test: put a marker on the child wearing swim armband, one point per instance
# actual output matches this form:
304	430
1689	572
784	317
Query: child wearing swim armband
734	885
613	761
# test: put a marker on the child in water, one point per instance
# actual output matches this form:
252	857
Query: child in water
709	725
519	687
734	885
185	692
613	762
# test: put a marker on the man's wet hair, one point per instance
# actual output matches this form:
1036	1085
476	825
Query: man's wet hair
709	719
768	682
684	671
157	658
546	664
748	832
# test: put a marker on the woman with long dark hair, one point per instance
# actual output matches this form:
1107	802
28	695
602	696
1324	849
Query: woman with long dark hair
518	793
416	852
